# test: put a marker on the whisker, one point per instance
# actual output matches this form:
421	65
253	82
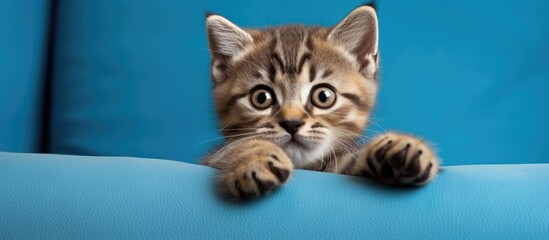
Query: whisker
225	137
219	151
362	139
227	125
370	130
239	129
205	141
334	159
242	134
369	120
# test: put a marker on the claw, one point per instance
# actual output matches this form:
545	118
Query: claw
263	186
281	174
238	187
399	159
380	153
414	167
425	175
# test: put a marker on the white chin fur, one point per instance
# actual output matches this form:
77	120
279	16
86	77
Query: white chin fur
302	156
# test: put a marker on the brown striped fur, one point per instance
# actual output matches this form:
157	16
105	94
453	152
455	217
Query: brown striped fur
291	61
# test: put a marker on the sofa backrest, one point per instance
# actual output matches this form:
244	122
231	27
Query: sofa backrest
23	46
131	78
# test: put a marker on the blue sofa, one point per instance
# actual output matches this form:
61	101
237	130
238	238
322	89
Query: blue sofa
106	110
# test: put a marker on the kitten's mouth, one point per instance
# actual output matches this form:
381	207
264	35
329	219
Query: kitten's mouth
294	143
297	141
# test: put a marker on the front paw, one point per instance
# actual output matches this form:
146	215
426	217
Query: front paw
401	159
256	168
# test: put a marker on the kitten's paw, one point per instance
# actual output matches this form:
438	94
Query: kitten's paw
258	167
401	159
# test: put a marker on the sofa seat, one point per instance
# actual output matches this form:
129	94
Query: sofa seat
76	197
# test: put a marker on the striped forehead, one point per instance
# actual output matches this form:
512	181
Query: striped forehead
290	48
286	62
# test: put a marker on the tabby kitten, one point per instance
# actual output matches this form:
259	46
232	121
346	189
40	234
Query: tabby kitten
300	97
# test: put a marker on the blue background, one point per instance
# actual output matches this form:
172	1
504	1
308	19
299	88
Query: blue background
132	79
23	42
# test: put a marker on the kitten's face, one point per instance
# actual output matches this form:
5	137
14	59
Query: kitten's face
310	90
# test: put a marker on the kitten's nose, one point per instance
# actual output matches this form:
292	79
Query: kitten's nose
291	126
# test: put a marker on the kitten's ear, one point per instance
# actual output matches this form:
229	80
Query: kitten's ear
358	35
225	41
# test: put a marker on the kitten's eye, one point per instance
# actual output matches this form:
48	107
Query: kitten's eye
323	97
262	97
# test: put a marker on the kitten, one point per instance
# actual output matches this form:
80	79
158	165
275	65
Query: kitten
300	97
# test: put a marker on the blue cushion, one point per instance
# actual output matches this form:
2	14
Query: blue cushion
132	78
23	43
71	197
